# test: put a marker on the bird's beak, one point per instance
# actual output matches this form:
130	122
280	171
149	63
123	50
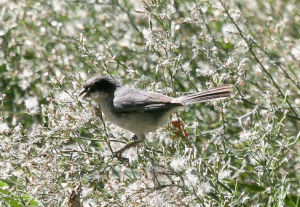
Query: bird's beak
84	92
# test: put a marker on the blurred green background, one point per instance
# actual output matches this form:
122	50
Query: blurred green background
238	152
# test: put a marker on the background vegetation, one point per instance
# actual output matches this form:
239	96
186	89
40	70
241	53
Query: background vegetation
54	150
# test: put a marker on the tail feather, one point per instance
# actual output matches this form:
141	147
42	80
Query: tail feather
207	95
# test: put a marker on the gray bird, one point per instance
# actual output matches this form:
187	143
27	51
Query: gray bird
141	111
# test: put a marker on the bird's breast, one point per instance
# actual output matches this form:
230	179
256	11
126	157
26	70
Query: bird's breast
138	123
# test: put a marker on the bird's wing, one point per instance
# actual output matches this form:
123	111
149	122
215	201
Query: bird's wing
128	100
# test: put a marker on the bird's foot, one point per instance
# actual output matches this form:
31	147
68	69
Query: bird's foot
118	153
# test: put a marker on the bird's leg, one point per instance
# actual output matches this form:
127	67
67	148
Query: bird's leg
134	143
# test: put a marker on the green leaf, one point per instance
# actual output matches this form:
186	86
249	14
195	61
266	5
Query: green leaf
2	68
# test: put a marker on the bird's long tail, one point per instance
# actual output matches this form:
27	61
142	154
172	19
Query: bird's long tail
207	95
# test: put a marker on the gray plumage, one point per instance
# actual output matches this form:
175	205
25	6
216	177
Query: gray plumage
142	111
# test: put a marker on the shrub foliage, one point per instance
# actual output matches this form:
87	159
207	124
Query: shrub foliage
56	149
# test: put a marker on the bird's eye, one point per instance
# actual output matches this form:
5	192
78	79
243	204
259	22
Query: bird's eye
93	89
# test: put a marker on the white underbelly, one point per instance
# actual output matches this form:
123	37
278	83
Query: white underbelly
139	123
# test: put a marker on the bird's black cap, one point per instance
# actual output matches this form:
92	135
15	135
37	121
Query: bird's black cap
97	84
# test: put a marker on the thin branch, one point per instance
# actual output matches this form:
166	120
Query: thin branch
249	44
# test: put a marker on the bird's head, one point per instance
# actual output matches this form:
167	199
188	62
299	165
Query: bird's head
99	85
